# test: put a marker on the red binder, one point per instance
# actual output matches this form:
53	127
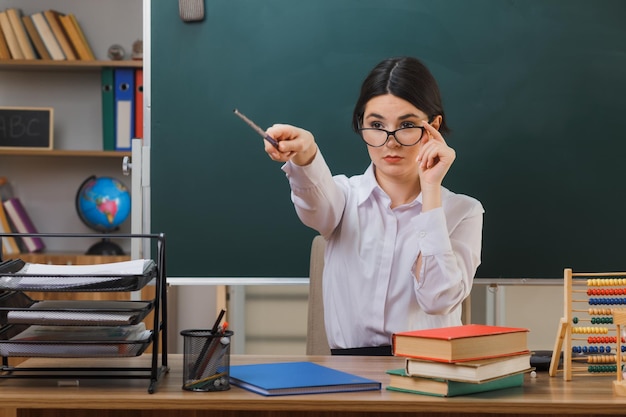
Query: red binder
139	103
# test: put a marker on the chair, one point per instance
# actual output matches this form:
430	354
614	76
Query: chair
316	341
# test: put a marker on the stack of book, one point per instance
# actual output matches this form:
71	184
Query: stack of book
47	35
460	360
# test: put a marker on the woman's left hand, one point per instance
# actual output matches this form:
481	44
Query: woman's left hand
434	159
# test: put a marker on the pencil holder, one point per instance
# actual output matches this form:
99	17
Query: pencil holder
206	360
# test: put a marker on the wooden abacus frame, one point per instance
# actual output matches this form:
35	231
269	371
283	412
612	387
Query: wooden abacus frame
566	329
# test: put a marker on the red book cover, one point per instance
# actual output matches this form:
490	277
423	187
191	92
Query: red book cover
457	332
23	224
461	343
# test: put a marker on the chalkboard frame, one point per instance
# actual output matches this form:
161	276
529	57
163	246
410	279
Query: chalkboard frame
44	141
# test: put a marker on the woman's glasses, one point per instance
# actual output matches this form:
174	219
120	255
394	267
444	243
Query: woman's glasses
405	136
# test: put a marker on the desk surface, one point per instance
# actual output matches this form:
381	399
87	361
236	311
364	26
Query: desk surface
543	395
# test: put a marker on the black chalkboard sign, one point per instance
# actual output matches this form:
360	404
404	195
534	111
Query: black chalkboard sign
26	127
534	93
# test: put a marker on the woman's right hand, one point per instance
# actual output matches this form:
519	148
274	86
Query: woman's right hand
294	143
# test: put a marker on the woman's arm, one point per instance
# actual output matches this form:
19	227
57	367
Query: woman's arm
318	201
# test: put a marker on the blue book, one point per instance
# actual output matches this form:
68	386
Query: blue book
291	378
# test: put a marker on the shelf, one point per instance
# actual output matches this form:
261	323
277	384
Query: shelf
48	65
62	152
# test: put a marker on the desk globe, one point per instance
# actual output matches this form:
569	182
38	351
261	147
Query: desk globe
103	204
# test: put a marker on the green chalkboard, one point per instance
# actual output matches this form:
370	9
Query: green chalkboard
535	92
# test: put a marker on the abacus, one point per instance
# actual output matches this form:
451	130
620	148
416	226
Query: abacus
586	333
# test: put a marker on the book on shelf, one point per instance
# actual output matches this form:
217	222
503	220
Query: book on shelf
15	17
23	224
400	381
52	17
469	371
9	36
292	378
9	244
82	36
36	39
460	343
76	37
4	47
53	47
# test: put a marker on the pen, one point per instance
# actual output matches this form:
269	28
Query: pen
257	128
200	363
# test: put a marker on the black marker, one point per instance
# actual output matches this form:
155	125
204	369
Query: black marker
257	128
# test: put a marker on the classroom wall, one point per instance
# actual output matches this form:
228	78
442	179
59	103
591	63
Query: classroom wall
48	186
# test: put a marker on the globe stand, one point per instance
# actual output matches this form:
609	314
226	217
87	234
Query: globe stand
105	248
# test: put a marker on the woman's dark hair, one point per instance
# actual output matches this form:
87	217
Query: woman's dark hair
403	77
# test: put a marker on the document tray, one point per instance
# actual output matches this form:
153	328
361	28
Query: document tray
70	348
77	282
18	308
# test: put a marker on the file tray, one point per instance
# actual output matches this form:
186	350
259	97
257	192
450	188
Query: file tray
70	348
65	278
75	331
18	308
10	300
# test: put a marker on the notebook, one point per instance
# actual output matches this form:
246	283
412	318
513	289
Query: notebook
292	378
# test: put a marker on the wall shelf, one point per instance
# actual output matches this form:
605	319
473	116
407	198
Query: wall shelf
63	152
48	65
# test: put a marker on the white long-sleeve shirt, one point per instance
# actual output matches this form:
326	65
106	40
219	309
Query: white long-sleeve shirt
369	285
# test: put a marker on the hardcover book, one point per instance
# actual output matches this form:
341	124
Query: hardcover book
40	47
400	381
460	343
9	244
9	36
53	47
15	17
23	224
469	371
291	378
4	47
75	37
52	17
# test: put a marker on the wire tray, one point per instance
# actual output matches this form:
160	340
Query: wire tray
65	283
69	348
18	308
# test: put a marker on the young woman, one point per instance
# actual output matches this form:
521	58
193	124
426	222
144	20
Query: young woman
401	250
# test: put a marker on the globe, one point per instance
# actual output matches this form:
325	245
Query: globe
103	204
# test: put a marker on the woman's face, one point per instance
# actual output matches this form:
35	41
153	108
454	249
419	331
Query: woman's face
390	113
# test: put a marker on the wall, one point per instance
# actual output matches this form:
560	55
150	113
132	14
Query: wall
47	186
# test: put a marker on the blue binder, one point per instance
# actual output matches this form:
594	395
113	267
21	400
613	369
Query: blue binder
124	108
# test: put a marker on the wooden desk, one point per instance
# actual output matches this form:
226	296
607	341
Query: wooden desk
541	396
